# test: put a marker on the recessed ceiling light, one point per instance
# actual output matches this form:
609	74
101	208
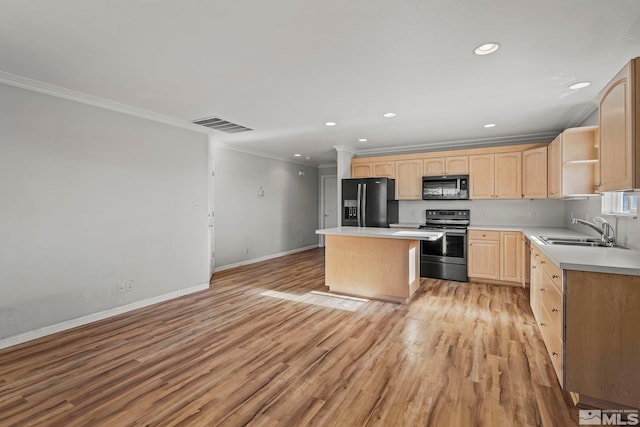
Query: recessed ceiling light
330	123
490	125
297	155
307	158
362	140
389	114
486	48
580	85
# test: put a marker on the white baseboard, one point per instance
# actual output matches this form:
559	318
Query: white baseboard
264	258
80	321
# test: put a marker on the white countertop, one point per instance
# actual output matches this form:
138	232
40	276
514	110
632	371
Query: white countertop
387	233
596	259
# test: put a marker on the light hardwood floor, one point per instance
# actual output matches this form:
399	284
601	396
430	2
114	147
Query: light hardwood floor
258	348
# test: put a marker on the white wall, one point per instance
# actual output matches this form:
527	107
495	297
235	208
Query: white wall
491	212
591	120
627	229
90	198
249	226
328	170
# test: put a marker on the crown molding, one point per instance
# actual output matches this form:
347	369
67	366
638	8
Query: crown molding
83	98
586	111
327	165
462	143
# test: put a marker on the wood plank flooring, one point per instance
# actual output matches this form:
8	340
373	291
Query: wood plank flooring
258	348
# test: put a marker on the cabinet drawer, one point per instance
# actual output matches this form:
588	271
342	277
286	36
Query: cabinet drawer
535	253
551	301
554	272
484	235
553	343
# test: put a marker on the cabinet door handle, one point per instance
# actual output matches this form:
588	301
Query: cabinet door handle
541	289
533	266
542	262
554	310
543	325
555	276
555	354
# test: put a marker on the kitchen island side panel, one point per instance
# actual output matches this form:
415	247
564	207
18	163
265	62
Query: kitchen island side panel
378	268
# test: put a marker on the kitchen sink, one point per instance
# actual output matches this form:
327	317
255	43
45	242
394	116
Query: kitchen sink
574	241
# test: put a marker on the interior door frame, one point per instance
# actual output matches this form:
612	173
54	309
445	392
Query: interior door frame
211	207
323	179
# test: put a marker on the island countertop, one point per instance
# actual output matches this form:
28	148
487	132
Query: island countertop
387	233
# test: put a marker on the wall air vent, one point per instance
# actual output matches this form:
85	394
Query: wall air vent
221	125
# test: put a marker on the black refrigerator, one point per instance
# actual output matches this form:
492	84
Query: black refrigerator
369	202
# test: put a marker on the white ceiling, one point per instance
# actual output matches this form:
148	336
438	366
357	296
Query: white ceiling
284	67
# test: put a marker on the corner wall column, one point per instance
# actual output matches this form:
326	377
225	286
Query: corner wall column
345	154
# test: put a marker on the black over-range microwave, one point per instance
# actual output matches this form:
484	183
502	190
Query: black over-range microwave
451	187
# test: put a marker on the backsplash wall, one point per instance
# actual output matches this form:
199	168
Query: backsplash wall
549	213
627	229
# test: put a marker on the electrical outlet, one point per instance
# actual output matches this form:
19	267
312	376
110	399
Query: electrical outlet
129	285
483	213
122	287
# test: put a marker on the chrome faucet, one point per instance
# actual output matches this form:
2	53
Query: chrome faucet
606	231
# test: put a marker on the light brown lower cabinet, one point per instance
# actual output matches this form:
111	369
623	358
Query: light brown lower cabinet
589	325
547	306
496	257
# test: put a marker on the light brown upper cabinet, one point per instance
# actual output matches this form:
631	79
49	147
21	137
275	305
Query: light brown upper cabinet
372	168
454	165
620	130
534	173
361	170
482	176
573	163
433	167
554	167
457	165
384	169
409	179
508	175
496	176
494	172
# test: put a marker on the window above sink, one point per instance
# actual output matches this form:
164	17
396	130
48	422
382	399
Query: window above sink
619	204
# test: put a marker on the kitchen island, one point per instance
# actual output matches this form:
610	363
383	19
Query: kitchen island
370	262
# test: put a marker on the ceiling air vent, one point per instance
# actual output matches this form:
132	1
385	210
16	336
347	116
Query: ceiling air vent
222	125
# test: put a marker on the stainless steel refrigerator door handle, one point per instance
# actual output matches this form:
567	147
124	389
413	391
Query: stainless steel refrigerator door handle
364	205
358	205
